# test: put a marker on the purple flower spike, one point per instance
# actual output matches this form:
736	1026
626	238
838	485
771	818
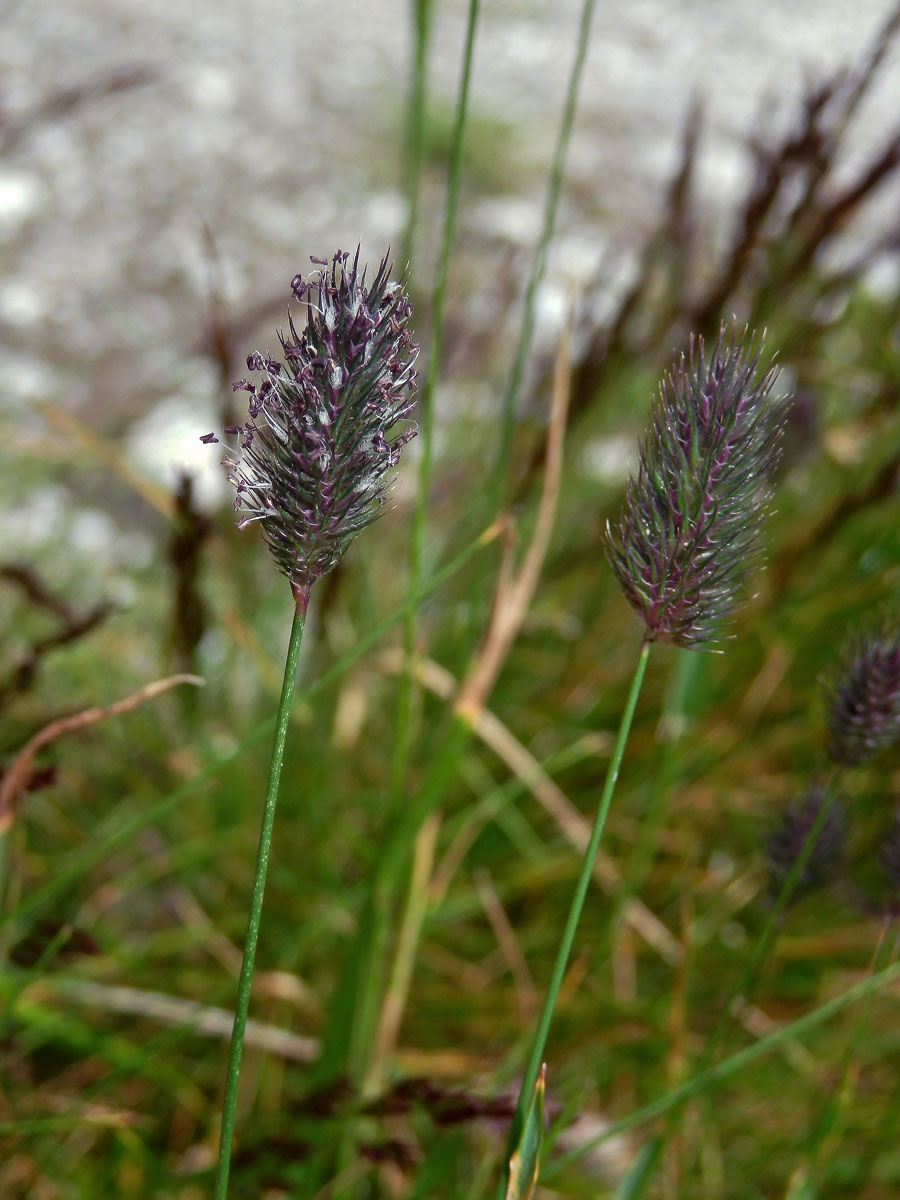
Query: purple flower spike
689	530
315	457
863	701
786	842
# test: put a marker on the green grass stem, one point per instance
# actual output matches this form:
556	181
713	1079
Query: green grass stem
673	721
282	720
365	1010
578	898
746	983
551	204
425	414
416	125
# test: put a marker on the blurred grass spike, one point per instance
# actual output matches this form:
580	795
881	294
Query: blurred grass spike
788	841
863	699
525	1160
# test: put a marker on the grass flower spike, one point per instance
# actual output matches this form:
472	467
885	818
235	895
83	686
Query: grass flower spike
680	550
316	453
688	532
863	703
786	843
313	466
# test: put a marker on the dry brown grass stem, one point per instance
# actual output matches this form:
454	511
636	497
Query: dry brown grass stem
16	777
526	993
404	961
104	451
515	589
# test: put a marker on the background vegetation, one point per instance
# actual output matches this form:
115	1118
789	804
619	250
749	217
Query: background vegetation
389	1068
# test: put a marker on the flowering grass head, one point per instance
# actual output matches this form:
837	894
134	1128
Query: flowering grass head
315	456
786	842
688	532
863	698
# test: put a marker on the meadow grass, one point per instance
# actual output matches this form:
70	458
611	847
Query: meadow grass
712	1034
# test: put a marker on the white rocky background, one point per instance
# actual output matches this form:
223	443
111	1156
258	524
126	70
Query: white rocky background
272	129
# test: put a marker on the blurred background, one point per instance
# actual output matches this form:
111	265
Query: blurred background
165	170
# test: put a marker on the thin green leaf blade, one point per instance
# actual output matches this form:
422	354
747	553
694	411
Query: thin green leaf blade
640	1173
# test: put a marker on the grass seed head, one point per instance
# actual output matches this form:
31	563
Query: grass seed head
688	533
863	698
315	457
785	843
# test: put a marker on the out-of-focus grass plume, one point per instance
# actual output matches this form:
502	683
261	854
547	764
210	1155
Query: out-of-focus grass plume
788	839
863	700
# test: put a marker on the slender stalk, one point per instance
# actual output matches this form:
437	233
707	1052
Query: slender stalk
673	721
526	330
426	405
746	983
360	1035
568	935
403	737
416	125
256	899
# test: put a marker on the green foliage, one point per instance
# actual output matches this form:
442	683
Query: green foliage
127	873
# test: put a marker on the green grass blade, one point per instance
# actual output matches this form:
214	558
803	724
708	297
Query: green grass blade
730	1067
416	124
551	203
125	831
567	937
641	1172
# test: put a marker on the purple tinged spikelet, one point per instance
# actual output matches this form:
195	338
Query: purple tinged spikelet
688	532
863	700
315	456
785	843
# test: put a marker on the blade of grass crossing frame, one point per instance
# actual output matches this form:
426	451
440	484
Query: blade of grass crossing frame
827	1132
800	1186
728	1068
